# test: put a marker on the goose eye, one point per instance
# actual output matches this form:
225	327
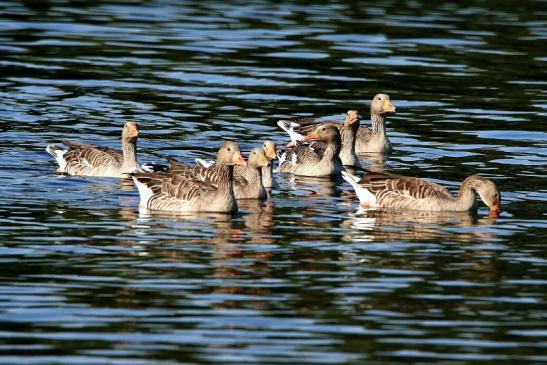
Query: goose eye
229	149
324	129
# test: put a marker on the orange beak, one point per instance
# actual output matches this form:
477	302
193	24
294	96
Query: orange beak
133	131
263	161
239	160
495	210
271	153
389	107
313	136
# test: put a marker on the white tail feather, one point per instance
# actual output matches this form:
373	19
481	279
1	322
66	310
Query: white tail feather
289	127
144	191
58	154
204	163
365	196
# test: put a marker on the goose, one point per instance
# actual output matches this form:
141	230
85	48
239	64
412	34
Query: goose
367	140
208	190
248	179
268	179
248	182
348	133
316	160
87	160
386	190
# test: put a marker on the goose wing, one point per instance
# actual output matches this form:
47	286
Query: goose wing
89	156
302	153
384	184
168	185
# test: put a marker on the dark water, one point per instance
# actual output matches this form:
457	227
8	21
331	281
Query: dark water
301	278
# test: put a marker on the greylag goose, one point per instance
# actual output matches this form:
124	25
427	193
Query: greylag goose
268	179
207	190
317	160
247	179
87	160
368	140
386	190
348	133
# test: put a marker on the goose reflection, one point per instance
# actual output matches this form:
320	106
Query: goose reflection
372	161
370	225
305	186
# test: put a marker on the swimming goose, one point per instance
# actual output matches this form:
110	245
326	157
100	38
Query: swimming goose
386	190
314	160
247	179
87	160
207	190
268	179
367	140
348	133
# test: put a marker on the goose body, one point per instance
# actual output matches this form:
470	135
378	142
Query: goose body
385	190
197	190
314	160
348	134
87	160
247	179
371	139
268	179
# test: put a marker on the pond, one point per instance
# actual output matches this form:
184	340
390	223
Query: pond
302	278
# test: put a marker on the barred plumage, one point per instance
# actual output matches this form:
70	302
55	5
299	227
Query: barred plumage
316	159
187	189
367	140
382	189
88	160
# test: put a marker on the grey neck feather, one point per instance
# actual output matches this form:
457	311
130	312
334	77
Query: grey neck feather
378	122
130	154
332	150
348	133
468	196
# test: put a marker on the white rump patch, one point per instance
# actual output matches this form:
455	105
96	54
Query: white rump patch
289	127
294	159
144	191
59	154
365	196
281	158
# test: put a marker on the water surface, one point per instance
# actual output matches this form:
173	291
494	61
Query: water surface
303	278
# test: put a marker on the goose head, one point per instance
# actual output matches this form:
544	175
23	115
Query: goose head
381	104
130	131
229	154
325	133
269	149
257	158
487	191
353	117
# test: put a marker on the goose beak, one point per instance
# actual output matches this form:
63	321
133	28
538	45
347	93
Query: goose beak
389	107
313	136
239	160
263	161
355	118
495	210
133	131
271	153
